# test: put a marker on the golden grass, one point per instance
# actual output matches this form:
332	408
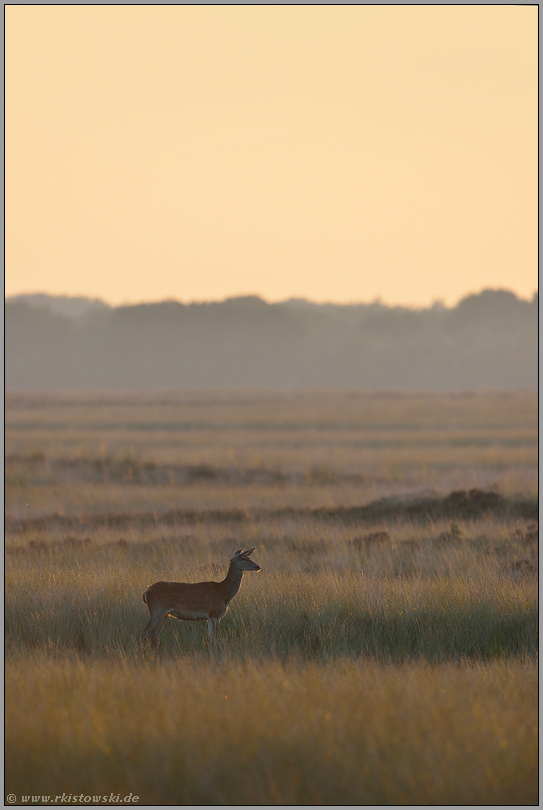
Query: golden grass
261	732
384	660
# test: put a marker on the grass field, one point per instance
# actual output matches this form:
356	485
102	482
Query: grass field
386	654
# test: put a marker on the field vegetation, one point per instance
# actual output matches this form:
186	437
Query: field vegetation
386	654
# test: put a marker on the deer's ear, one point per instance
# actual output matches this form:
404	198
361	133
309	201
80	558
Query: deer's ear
248	551
237	553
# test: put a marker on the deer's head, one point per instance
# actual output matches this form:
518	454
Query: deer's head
242	562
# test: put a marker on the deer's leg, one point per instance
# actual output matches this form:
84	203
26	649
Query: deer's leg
213	628
153	629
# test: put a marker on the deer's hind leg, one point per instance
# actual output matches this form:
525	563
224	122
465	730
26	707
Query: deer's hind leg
154	628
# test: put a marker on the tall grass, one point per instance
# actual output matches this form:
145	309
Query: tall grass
262	732
94	606
445	596
384	657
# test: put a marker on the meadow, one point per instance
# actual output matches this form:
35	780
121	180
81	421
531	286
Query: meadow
385	654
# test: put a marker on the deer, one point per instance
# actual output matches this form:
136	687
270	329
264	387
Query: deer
195	601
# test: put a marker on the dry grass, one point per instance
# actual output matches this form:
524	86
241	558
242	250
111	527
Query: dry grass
262	732
385	655
391	444
391	594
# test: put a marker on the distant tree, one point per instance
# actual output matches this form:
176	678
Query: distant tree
490	309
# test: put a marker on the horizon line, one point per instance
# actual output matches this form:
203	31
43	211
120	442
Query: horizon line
378	301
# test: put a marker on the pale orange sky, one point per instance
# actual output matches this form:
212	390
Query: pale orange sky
338	153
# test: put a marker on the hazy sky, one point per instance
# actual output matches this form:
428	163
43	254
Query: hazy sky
338	153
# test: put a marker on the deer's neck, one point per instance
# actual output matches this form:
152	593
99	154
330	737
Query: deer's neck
232	583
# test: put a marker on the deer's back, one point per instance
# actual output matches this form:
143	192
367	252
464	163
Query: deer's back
187	600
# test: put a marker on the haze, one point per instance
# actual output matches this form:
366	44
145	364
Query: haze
338	153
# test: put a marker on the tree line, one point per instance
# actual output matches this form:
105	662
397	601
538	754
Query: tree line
488	340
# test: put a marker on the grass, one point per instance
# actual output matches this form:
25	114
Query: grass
264	732
386	654
324	600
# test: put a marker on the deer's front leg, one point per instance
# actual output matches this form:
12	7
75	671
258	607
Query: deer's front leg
213	628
